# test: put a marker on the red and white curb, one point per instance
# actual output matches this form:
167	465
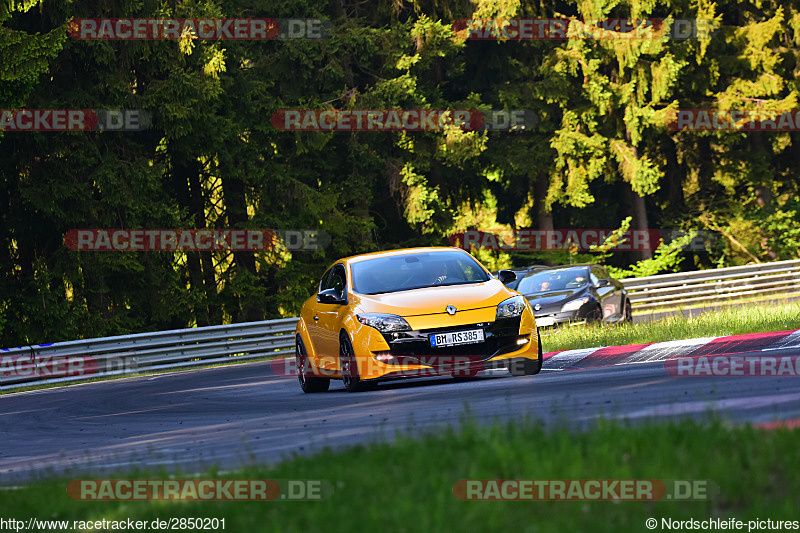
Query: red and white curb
793	423
661	351
639	353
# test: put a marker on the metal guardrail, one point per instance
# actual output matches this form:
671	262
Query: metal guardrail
688	288
186	348
142	352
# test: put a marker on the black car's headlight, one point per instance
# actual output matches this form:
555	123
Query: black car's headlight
383	322
512	307
574	305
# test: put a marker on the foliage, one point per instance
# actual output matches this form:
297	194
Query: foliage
666	258
599	151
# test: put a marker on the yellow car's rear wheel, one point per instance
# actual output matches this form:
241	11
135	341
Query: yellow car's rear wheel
308	381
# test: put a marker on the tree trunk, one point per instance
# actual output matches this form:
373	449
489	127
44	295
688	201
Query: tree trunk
186	180
705	166
674	176
544	219
244	262
635	206
638	210
763	188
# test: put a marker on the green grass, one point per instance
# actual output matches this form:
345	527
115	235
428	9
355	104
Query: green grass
732	302
729	321
407	485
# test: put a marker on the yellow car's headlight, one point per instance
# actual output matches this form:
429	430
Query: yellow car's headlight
511	307
383	322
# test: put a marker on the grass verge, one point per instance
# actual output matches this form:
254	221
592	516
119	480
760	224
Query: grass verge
407	485
730	321
722	304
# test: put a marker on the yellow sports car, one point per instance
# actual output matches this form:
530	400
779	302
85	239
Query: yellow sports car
411	313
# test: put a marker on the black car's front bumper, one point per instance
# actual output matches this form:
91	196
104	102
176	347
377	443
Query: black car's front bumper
544	320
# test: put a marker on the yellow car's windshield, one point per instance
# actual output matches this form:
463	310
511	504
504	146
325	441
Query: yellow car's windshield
415	271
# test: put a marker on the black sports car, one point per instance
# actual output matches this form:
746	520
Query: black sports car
573	293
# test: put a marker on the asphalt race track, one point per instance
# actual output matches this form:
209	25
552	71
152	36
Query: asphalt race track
235	415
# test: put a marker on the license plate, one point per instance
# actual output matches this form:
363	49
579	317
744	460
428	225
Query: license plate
545	321
454	338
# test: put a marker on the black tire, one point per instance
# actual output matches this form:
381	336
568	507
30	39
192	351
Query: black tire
526	367
595	317
350	377
541	361
308	382
628	311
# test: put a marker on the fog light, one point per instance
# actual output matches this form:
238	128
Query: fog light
523	340
384	357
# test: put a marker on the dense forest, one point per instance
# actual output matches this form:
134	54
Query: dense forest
600	155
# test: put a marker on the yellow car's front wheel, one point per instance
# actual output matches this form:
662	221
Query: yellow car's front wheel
347	359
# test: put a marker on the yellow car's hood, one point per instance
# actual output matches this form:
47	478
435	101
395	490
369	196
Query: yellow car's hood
434	300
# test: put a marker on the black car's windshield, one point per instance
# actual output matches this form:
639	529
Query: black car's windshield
416	270
553	280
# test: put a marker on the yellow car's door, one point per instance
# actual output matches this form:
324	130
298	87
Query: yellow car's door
323	328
